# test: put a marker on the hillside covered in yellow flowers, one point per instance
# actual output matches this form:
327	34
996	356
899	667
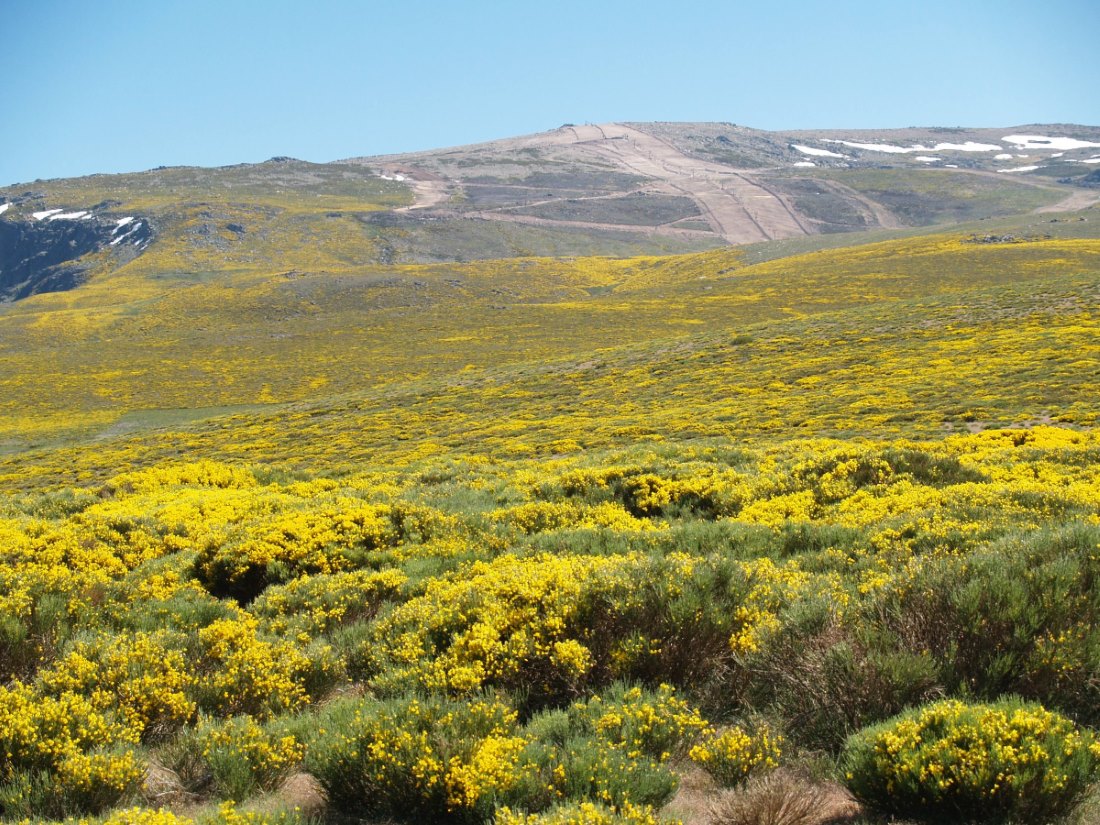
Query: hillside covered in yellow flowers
291	533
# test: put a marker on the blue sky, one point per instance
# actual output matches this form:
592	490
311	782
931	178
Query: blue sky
120	85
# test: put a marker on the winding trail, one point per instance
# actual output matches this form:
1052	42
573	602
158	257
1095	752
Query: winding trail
637	229
428	188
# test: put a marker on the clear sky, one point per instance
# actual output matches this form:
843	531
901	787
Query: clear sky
124	85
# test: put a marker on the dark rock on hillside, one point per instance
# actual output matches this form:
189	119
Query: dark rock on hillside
1092	180
45	255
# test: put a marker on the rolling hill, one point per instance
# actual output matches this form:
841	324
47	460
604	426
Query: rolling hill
592	476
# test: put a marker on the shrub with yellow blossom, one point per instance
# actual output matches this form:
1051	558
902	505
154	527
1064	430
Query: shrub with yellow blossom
240	671
580	813
244	757
951	760
731	755
614	749
62	755
411	757
141	675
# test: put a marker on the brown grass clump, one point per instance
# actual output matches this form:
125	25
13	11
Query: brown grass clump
785	798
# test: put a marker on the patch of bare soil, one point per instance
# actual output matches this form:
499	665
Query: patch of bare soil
1078	200
738	207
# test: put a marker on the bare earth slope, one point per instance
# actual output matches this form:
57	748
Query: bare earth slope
738	208
743	185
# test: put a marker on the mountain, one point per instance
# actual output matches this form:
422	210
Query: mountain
613	189
437	488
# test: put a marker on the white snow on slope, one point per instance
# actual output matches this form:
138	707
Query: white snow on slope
126	234
820	153
1091	160
969	146
70	216
1003	156
40	215
121	222
1020	169
4	207
804	163
1041	142
927	159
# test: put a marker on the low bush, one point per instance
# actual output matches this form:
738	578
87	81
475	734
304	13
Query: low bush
581	813
412	757
951	761
732	755
243	757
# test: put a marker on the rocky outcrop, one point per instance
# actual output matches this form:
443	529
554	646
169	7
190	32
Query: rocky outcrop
45	254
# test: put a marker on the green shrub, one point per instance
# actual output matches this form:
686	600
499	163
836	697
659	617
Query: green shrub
613	749
242	757
825	682
1022	617
429	757
951	761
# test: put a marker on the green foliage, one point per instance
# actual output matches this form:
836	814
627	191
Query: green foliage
416	757
243	758
950	761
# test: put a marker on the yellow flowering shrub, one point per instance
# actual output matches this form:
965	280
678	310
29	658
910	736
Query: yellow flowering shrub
615	749
314	540
506	622
657	722
141	816
241	672
989	761
62	754
140	675
732	754
244	757
314	605
581	813
417	757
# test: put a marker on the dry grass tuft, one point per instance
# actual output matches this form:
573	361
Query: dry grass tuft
785	798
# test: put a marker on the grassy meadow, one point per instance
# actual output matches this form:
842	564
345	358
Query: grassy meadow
294	534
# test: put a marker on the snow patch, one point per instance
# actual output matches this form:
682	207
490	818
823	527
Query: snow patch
969	146
1020	169
927	159
1041	142
804	163
1002	156
4	207
1057	154
126	234
69	216
121	222
877	147
820	153
1091	160
395	177
40	215
951	166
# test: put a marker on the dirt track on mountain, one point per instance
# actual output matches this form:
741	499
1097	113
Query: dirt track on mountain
638	229
739	208
428	188
1078	200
